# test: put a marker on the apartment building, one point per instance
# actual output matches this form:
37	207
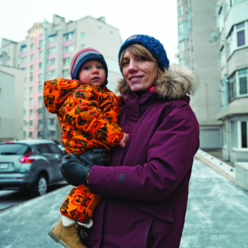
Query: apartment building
11	95
213	41
233	48
45	54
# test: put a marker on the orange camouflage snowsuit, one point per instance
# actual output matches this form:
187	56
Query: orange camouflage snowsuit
88	116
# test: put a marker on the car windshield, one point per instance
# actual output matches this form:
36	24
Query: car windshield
14	149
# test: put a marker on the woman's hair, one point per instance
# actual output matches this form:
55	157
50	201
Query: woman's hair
141	51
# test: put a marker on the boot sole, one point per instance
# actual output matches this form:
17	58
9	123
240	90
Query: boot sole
56	239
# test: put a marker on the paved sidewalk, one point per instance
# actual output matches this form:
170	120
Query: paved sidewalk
217	215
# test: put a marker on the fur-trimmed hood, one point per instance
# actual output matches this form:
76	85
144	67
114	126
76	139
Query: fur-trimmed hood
175	83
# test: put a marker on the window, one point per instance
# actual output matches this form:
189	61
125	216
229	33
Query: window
23	49
52	50
40	65
30	112
52	39
68	36
244	137
51	121
40	76
40	88
24	135
83	35
238	84
39	122
8	58
239	136
30	123
180	10
236	38
40	43
31	57
66	61
31	68
51	61
240	34
67	49
30	134
221	19
54	148
42	148
23	60
65	73
24	111
31	90
32	46
51	73
181	62
243	81
31	101
181	46
232	88
40	99
40	54
39	111
39	134
222	57
31	78
180	29
52	134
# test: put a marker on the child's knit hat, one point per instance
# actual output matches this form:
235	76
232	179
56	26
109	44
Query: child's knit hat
83	55
151	44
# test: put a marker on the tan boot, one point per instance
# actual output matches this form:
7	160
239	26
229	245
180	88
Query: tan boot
67	236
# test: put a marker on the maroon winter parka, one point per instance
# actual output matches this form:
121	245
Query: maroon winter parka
145	188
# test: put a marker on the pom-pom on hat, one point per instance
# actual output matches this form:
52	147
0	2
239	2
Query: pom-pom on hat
150	43
83	55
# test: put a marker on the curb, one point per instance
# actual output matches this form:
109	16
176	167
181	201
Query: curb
201	155
33	199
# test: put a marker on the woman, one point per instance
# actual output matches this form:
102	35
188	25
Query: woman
145	188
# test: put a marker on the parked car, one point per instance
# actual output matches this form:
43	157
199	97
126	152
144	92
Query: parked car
30	164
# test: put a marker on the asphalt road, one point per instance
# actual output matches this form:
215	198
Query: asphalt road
217	215
11	198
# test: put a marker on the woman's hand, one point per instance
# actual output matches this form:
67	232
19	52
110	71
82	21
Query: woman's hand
124	140
74	170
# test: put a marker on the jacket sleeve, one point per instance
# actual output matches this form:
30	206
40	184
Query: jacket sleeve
56	91
87	115
169	158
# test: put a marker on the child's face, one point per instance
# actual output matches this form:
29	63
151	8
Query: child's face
93	73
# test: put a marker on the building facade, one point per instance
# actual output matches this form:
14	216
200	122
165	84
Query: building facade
233	47
11	95
198	50
45	54
213	41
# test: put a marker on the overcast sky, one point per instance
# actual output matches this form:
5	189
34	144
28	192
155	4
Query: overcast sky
156	18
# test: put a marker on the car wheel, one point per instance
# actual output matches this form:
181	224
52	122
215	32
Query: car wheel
40	186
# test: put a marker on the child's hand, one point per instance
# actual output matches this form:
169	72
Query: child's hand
124	140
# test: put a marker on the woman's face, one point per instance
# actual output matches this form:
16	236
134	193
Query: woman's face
138	72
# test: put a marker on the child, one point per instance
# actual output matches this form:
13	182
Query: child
88	113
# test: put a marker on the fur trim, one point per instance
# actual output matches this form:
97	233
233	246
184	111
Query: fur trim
175	83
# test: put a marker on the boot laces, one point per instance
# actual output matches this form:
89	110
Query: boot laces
76	231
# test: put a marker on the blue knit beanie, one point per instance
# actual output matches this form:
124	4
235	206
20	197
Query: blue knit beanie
152	45
83	55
